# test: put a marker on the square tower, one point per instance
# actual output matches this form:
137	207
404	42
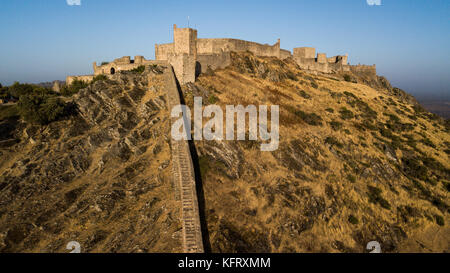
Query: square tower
185	41
305	52
321	58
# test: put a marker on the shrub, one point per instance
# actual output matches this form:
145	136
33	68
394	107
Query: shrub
350	94
336	125
19	89
351	178
428	142
385	132
347	78
41	108
304	94
99	78
9	112
330	110
333	141
139	69
367	124
353	220
413	168
346	114
439	220
365	109
375	197
447	186
310	118
290	75
73	88
212	99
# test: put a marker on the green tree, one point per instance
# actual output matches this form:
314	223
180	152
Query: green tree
73	88
41	107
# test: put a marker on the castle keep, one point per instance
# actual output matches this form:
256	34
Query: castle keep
191	56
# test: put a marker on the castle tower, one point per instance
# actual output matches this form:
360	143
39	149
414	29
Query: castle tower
185	41
184	56
304	52
321	58
138	59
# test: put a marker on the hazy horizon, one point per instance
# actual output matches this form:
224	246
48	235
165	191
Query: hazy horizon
49	40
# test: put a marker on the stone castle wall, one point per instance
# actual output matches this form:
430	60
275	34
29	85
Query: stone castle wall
84	78
369	69
184	66
213	61
122	64
306	58
163	50
191	56
217	46
213	53
184	176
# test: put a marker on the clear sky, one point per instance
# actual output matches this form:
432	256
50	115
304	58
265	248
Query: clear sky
408	40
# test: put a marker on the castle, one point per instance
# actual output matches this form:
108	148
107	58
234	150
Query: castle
191	56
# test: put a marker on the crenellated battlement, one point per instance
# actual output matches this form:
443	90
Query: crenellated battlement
306	58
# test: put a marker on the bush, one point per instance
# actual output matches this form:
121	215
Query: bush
351	178
428	142
310	118
336	125
333	141
353	220
330	110
350	94
73	88
346	114
375	197
8	112
19	89
212	99
139	69
439	220
447	186
304	94
99	78
347	78
413	168
41	108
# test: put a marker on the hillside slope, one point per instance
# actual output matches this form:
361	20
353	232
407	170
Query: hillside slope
358	161
355	164
102	178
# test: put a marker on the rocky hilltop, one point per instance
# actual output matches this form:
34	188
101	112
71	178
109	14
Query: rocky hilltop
358	161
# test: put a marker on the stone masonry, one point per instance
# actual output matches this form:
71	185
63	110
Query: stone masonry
184	177
191	56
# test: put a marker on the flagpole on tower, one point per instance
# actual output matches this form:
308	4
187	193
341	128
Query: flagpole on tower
188	21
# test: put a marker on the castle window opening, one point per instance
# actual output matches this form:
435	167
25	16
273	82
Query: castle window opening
113	71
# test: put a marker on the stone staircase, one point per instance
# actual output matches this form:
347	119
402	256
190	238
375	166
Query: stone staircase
184	176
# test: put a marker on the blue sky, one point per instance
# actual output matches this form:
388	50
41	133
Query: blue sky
44	40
